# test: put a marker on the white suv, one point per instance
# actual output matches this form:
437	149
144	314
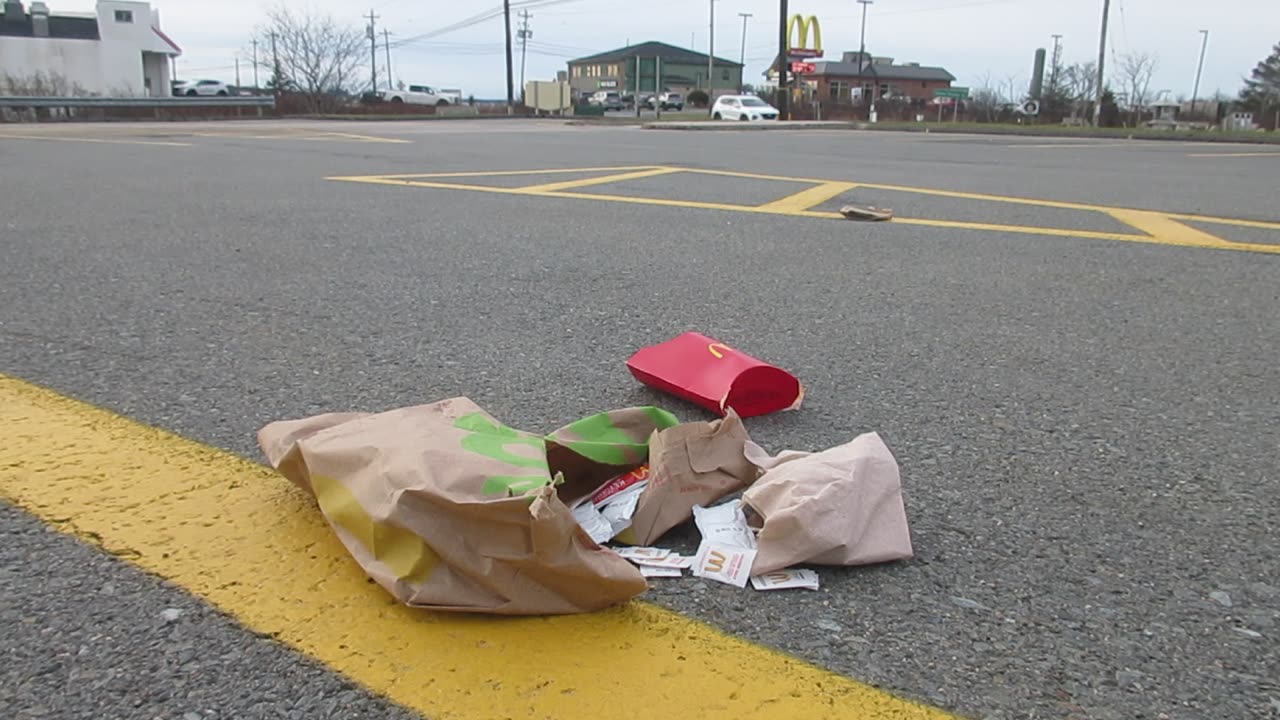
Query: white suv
742	107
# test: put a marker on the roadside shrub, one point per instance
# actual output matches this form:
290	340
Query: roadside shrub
698	99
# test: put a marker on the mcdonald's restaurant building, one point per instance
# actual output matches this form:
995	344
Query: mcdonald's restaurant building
856	76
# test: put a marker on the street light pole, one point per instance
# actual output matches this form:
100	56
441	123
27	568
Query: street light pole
862	58
1053	71
742	52
784	97
1204	43
1102	61
711	54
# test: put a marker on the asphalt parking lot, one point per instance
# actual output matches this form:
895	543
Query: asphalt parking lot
1069	345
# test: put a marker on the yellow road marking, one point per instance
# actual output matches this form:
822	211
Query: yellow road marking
1234	154
1167	229
756	176
67	138
295	134
1043	146
1156	227
600	180
248	542
497	173
805	199
363	138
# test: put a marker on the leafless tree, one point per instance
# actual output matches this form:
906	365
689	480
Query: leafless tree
984	102
317	55
1136	69
1010	90
1078	84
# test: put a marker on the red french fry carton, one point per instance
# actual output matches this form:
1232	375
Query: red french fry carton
715	376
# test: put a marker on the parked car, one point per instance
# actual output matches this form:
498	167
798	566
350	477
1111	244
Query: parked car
609	99
672	101
206	88
420	95
742	107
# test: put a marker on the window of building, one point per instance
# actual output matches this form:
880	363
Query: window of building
839	91
577	71
613	70
724	75
124	16
924	84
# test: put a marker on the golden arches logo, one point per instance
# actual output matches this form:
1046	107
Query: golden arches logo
718	353
715	561
798	29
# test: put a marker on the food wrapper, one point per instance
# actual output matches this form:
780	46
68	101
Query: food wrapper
786	579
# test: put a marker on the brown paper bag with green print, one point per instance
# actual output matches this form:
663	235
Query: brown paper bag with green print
447	508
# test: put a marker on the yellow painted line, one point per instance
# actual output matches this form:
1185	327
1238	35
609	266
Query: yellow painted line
363	138
1054	146
1234	154
494	173
1164	233
758	176
599	180
1261	224
805	199
67	138
994	227
1172	232
248	542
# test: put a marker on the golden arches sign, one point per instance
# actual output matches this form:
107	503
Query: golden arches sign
798	29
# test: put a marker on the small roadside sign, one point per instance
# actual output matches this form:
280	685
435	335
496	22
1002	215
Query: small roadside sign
958	93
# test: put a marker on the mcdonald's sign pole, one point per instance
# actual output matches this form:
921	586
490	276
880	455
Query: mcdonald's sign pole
784	97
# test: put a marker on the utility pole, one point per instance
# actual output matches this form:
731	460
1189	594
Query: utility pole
255	64
862	58
506	21
742	52
373	48
386	44
275	65
237	73
1053	71
784	97
1102	59
1204	43
524	35
711	54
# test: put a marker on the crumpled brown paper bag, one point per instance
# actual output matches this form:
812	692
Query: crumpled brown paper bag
690	464
841	506
447	508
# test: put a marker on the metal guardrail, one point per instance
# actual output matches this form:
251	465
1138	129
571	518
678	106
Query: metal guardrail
18	101
24	101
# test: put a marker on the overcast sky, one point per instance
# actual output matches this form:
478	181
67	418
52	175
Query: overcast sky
971	38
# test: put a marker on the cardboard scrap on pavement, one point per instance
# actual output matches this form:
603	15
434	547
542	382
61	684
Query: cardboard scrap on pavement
866	212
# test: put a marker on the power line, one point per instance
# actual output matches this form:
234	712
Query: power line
478	18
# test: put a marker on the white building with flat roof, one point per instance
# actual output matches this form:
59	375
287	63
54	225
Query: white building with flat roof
118	51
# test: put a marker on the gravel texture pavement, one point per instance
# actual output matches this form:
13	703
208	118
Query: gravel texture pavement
1086	428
